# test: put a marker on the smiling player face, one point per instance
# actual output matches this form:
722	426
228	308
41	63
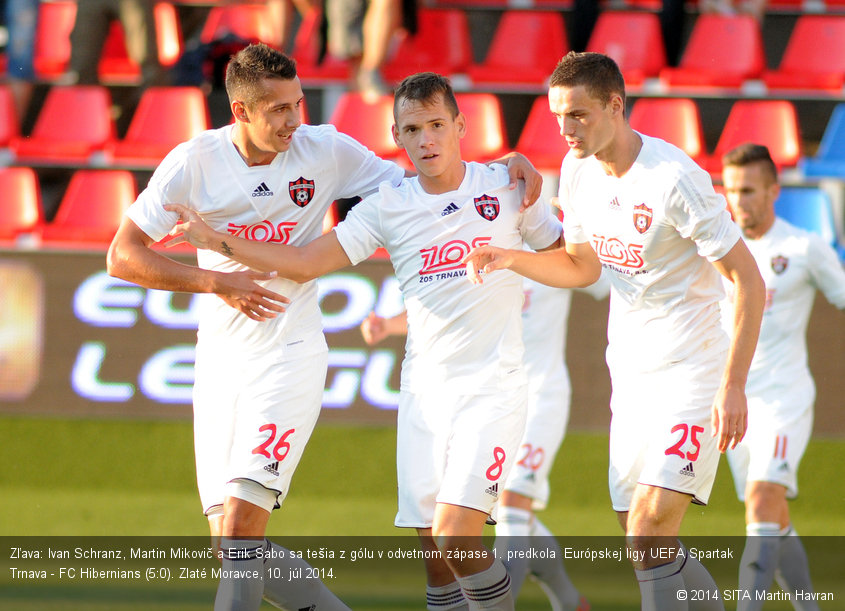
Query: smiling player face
432	138
268	127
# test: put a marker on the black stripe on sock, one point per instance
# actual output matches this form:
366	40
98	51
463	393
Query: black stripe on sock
490	592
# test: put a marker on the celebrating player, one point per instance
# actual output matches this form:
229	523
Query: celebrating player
462	399
794	263
652	218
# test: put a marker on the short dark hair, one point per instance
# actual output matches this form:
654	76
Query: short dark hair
595	71
424	87
252	64
750	153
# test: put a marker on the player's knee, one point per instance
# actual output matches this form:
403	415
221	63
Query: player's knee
247	508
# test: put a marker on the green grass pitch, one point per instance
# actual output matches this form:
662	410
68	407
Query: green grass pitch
132	478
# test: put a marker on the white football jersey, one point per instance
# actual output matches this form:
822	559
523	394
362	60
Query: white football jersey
460	336
654	229
284	202
793	263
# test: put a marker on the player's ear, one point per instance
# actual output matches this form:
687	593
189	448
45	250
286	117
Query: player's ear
239	111
396	138
461	123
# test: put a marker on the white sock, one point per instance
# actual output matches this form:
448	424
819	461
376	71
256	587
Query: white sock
698	578
441	598
489	589
513	527
242	593
550	573
659	587
289	585
758	563
793	570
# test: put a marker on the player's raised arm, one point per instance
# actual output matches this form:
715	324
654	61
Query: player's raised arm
130	258
299	264
573	265
730	410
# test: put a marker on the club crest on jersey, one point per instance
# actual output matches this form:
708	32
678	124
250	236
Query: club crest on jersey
301	191
642	218
779	264
487	206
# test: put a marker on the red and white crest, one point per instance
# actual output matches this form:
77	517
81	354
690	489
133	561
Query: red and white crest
301	191
779	264
642	218
487	206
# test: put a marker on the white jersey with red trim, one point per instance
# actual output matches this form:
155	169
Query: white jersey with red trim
655	229
284	201
794	263
460	336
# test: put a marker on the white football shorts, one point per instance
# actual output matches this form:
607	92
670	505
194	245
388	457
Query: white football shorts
252	420
456	450
545	427
779	428
661	433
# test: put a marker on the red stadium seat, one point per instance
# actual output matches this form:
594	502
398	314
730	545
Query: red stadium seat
525	49
74	122
92	207
306	52
52	38
633	40
369	124
540	139
250	21
772	123
9	125
115	65
814	57
20	211
441	44
675	120
486	136
723	51
165	117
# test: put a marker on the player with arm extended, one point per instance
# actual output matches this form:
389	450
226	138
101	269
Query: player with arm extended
794	264
260	371
653	219
462	399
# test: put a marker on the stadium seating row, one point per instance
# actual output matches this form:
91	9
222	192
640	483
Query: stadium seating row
95	200
74	128
722	52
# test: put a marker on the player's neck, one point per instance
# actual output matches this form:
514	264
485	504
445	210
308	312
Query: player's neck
251	154
448	180
621	153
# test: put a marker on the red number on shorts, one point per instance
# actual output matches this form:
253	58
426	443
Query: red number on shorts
686	431
533	457
280	450
496	469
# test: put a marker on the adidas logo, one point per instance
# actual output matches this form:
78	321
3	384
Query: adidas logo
493	490
262	190
449	209
783	467
687	471
614	204
273	468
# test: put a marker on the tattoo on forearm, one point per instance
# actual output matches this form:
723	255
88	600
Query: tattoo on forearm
227	250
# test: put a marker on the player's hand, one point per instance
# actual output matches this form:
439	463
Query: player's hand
374	329
486	259
520	168
241	291
190	228
730	417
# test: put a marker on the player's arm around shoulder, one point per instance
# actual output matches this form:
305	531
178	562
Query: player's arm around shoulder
730	412
297	263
